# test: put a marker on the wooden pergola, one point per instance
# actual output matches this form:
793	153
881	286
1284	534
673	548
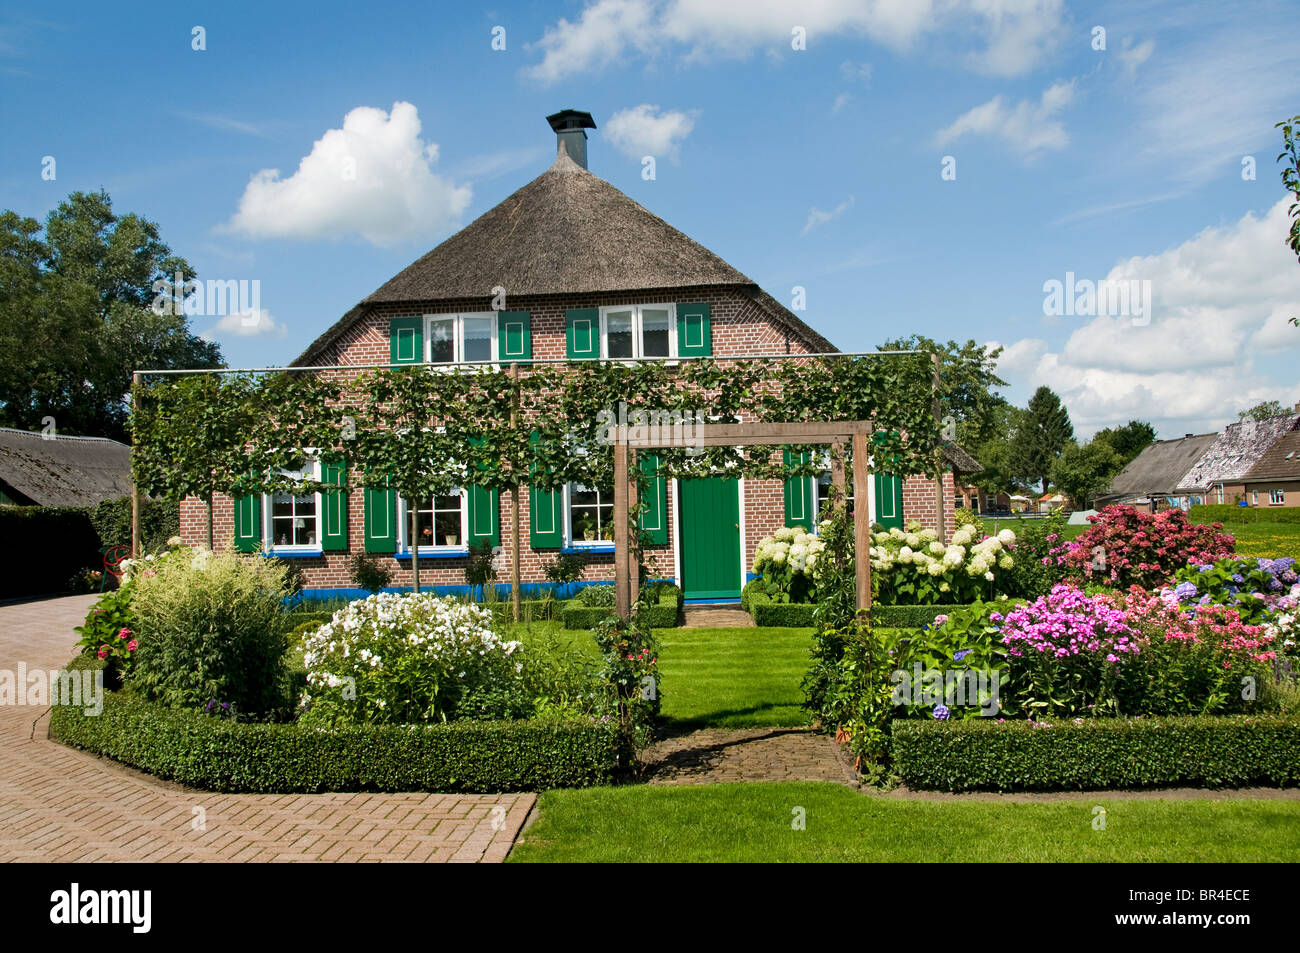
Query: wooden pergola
841	435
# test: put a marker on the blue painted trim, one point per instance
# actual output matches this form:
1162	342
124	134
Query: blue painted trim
527	590
405	557
750	577
296	554
711	602
598	548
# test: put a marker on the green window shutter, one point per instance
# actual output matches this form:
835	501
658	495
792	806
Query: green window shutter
484	521
654	518
798	493
334	518
380	505
406	340
514	336
248	523
694	330
545	518
582	333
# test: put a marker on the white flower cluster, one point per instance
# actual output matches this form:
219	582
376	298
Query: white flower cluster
788	547
921	549
424	631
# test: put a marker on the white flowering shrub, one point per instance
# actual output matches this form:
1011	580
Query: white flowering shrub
785	562
911	566
406	659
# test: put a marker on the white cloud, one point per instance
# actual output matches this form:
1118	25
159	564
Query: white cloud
644	130
842	100
1222	301
1131	56
1010	36
818	218
855	72
372	178
1027	127
251	323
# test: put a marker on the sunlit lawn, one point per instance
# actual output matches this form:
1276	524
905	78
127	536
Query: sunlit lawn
754	822
1271	540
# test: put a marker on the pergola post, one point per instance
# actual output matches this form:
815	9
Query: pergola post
940	522
861	527
621	589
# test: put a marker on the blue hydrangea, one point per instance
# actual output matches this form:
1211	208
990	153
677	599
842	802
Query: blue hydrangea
958	656
1184	591
941	712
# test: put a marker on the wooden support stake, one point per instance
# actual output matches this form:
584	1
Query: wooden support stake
634	548
621	590
514	503
861	527
135	490
938	454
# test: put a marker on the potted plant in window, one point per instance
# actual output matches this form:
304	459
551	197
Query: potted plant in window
584	527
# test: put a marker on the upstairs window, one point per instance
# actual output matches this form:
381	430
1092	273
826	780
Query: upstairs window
628	332
458	338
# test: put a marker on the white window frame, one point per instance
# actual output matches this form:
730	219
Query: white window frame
825	458
570	542
637	336
1277	497
1254	497
458	337
312	471
404	529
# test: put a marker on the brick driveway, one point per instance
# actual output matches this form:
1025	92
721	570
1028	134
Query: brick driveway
58	804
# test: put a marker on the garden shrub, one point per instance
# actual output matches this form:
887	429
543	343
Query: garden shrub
1034	573
664	613
109	632
966	640
160	521
370	573
1125	546
408	659
968	517
785	564
1248	584
631	670
908	617
260	758
597	596
1225	513
913	567
211	626
1097	754
564	570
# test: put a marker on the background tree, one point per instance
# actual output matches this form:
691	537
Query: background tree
1083	472
1044	431
1263	410
75	316
967	377
994	453
1127	441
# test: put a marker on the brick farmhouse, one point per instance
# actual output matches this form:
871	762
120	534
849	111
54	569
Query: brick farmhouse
589	274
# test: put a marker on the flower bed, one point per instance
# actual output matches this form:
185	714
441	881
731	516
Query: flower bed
1098	754
1248	584
912	567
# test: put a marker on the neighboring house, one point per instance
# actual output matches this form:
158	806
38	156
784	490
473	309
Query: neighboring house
590	274
1050	502
1219	475
1275	479
53	470
1152	478
978	500
1019	503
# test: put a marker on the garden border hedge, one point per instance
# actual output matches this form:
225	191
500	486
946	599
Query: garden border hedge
799	614
1098	754
257	758
665	615
1228	514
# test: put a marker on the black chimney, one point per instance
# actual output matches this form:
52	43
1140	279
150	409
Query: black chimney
569	125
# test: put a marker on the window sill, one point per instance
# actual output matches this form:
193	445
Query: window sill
588	548
281	553
459	552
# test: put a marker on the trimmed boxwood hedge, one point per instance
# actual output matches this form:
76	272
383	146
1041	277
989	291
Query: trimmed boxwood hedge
665	615
768	613
1225	513
243	757
1098	754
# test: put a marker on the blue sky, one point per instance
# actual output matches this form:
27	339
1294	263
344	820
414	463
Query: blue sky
818	167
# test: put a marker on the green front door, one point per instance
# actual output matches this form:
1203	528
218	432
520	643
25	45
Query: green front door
889	500
710	525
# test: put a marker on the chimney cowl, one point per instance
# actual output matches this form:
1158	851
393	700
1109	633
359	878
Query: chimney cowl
569	126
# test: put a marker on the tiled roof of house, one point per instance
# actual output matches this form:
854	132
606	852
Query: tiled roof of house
566	232
1280	462
1160	467
64	471
1235	451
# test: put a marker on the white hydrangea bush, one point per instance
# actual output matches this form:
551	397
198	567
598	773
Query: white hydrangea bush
913	568
405	659
786	561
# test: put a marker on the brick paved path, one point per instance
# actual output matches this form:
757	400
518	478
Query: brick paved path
63	805
711	755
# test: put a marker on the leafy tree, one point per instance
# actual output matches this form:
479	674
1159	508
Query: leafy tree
1290	156
1044	431
1263	410
967	377
75	316
1127	441
1082	472
994	454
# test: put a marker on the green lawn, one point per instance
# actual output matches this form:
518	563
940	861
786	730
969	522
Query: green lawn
753	822
733	678
1272	540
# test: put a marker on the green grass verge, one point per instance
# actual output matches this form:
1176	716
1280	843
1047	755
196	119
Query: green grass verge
733	678
753	822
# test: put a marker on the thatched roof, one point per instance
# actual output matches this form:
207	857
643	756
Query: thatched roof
63	471
1280	462
1236	450
1159	468
566	232
960	460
